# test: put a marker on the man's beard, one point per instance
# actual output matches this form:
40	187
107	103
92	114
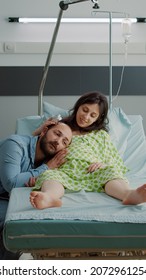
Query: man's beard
49	148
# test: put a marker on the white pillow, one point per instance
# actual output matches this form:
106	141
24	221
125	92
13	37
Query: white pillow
119	129
26	125
50	110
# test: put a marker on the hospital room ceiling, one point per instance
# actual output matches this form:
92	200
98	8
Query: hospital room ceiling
50	8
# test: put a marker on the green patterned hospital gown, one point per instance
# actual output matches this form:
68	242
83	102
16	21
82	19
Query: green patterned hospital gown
83	151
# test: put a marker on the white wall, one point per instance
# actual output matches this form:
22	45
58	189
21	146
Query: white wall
77	44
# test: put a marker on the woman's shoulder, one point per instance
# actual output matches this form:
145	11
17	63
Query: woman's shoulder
101	132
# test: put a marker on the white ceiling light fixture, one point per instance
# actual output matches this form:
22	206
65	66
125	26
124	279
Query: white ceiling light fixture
68	20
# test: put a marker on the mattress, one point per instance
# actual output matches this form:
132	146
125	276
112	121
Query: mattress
98	221
86	220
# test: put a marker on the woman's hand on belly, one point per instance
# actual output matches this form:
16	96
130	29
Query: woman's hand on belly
94	166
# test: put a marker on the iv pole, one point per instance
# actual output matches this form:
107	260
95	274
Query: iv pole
64	6
110	63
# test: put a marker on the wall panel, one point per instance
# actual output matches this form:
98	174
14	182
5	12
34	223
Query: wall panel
71	80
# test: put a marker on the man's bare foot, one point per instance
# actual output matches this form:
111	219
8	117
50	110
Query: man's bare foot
42	200
136	196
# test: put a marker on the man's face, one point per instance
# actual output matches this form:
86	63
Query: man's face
57	137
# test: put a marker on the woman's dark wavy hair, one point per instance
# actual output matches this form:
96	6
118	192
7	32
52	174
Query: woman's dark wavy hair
94	97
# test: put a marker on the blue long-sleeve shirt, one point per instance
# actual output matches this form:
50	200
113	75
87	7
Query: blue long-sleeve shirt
17	155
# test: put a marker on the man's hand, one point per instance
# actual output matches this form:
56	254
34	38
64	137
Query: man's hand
45	124
58	159
31	182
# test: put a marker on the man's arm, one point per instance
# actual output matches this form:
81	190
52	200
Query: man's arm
16	167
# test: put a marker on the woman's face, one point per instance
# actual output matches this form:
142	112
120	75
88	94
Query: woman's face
87	114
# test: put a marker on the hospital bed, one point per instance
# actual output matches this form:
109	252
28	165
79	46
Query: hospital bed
88	225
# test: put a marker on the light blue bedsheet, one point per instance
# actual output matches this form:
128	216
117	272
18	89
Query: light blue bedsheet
77	206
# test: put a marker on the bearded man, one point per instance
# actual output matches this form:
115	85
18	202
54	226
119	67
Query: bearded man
24	157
